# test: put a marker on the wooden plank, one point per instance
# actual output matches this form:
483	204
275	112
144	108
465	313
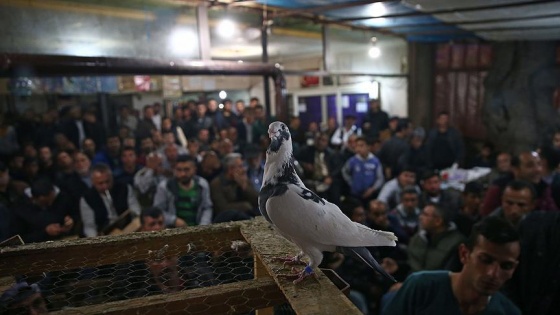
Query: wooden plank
90	252
262	273
232	298
311	296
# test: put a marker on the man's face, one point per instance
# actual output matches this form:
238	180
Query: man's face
89	145
322	142
362	148
46	201
184	172
236	168
45	154
128	157
113	144
409	202
212	105
171	153
168	138
489	265
377	214
102	181
406	178
503	162
359	215
429	219
240	106
148	113
147	145
152	224
530	168
64	160
472	201
443	121
556	141
516	204
203	135
432	186
81	163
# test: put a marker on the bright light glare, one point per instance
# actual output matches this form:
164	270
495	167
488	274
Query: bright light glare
182	41
374	52
226	28
374	90
377	9
222	95
221	106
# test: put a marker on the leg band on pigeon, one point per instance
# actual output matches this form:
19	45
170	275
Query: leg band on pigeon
308	270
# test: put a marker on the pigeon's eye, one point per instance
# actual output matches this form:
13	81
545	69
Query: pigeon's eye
283	127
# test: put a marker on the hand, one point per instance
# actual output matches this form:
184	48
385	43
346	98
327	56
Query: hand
308	167
395	287
180	222
390	265
53	229
328	180
153	161
68	224
241	179
368	192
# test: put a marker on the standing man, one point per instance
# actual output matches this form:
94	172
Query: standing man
489	258
184	198
444	144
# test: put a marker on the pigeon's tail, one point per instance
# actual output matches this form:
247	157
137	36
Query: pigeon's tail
376	237
363	254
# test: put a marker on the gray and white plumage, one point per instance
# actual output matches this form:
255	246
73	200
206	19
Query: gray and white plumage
312	223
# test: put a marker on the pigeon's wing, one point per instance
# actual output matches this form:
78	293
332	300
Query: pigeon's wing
304	217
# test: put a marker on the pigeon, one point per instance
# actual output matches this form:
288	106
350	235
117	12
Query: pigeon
310	222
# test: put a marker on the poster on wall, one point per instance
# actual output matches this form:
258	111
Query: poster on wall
142	83
172	86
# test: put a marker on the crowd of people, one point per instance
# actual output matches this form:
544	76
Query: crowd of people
62	174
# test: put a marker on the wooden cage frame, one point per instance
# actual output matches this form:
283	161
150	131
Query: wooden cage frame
312	296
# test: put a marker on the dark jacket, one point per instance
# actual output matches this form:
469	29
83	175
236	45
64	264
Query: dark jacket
454	140
119	194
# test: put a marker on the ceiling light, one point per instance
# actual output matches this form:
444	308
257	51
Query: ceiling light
226	28
221	106
377	9
222	95
374	51
181	41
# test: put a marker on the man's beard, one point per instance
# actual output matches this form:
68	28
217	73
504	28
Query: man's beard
185	181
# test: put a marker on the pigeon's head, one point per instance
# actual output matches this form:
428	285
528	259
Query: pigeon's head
279	137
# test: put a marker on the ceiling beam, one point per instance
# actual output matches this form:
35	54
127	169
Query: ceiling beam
495	29
480	21
446	11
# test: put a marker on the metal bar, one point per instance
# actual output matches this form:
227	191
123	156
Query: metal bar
497	29
58	65
203	31
481	21
264	59
323	8
445	11
344	74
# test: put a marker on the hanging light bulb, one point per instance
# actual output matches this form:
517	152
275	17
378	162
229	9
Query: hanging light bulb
374	51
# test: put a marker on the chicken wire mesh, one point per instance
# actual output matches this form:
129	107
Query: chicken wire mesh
196	271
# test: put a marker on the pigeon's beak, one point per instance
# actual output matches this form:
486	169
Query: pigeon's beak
272	134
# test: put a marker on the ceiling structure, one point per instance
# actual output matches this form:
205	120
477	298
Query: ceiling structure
427	20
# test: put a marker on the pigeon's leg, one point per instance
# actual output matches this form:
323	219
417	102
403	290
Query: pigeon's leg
299	276
289	260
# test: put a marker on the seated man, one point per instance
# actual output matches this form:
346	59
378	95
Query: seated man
185	198
469	213
407	213
47	215
105	203
231	191
433	193
489	258
390	193
436	241
518	200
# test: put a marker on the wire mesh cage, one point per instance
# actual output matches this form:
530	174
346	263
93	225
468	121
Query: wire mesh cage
218	269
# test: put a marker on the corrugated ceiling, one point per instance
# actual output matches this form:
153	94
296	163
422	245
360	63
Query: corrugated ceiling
436	20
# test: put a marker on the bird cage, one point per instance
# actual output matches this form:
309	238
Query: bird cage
224	268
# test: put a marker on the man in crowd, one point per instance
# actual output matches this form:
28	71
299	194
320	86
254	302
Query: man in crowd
106	203
489	258
184	198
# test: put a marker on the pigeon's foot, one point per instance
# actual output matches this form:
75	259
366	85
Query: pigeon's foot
290	261
299	276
